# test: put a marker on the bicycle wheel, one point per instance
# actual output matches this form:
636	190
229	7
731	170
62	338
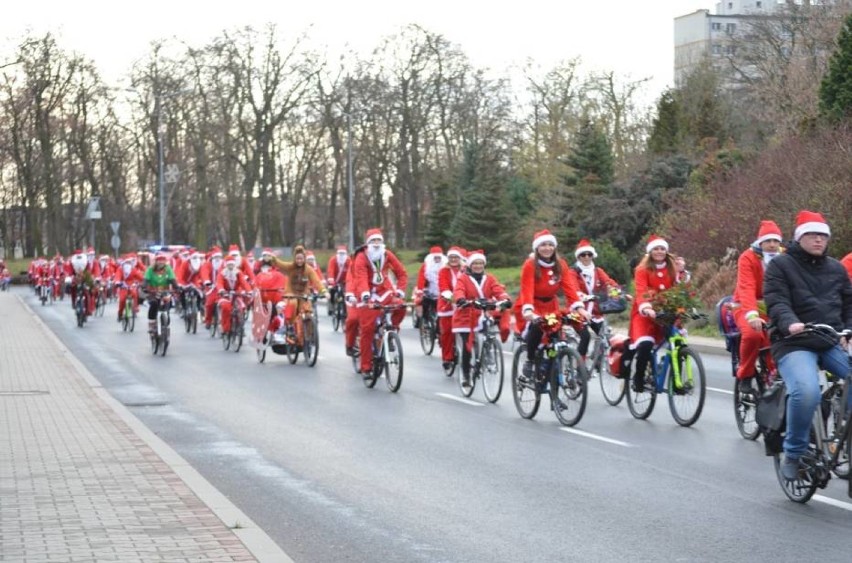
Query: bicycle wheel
311	337
803	487
427	335
687	400
226	339
187	319
393	362
214	326
569	379
491	369
745	410
641	405
164	338
356	360
194	318
833	411
613	387
375	370
292	353
335	317
125	320
524	392
80	310
100	306
239	334
132	320
261	355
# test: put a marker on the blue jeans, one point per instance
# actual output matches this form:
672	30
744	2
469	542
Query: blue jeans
800	372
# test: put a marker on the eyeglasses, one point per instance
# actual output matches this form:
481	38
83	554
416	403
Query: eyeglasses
585	254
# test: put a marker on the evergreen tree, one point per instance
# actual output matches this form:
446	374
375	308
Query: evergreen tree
665	131
444	207
835	92
486	219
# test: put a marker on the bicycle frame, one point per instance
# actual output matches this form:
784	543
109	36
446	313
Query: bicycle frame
669	347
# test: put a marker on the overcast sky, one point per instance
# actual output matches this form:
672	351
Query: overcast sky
632	38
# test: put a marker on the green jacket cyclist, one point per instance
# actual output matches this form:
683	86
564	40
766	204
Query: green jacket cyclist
158	277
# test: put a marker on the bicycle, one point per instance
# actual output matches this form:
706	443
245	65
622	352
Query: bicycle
128	315
194	305
80	308
557	369
387	349
679	373
234	336
338	309
44	292
830	435
100	300
745	404
303	333
486	360
428	325
161	336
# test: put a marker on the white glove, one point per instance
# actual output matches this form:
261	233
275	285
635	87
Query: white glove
447	294
400	293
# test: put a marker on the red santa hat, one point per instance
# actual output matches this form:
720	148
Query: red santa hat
373	234
456	251
475	255
310	256
160	257
810	222
342	248
234	250
230	259
104	257
768	231
654	241
542	237
267	252
196	254
90	250
436	250
585	246
214	252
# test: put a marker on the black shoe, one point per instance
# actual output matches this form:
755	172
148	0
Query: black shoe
638	386
528	370
447	365
350	351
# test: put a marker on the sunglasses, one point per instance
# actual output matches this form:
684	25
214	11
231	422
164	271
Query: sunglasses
584	254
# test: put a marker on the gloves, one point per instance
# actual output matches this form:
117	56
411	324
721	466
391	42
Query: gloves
447	294
400	293
365	298
462	302
505	304
529	315
351	299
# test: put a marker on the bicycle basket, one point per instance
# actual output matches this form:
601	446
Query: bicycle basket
609	305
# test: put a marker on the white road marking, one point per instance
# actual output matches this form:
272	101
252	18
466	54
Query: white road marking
833	502
596	437
460	399
717	390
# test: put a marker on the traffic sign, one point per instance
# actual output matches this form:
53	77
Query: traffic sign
114	226
115	242
172	173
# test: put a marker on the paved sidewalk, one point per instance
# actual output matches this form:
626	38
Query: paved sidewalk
81	479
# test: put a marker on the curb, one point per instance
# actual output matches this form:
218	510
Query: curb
250	534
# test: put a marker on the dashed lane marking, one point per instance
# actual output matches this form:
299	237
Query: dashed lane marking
596	437
460	399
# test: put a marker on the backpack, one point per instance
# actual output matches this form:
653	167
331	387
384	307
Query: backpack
726	324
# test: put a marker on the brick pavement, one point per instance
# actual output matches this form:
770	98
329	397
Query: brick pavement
82	480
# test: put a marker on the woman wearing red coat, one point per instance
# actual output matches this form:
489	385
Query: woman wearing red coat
750	267
447	278
655	272
543	275
475	284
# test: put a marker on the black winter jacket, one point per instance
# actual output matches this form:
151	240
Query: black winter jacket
800	287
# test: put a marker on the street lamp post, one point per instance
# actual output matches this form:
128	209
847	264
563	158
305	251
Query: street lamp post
161	179
349	180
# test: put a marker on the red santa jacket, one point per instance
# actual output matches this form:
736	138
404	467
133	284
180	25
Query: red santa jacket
447	279
541	295
749	280
186	276
647	283
135	276
336	272
598	283
373	278
468	288
271	285
209	274
240	283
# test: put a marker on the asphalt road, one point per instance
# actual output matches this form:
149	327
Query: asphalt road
334	471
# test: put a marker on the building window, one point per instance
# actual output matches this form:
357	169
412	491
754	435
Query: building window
717	49
730	5
730	27
759	4
730	50
716	26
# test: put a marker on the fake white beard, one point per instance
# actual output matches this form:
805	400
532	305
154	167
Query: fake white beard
238	260
217	263
194	265
126	269
265	268
230	275
341	260
375	252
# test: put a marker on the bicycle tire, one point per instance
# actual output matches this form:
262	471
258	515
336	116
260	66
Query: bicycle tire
100	306
641	405
525	393
427	335
125	320
393	362
376	368
801	489
311	338
687	402
491	369
292	353
569	380
261	355
745	411
214	326
194	318
164	339
132	321
335	319
613	387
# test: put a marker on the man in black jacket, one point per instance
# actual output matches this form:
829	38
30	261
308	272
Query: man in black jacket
806	286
